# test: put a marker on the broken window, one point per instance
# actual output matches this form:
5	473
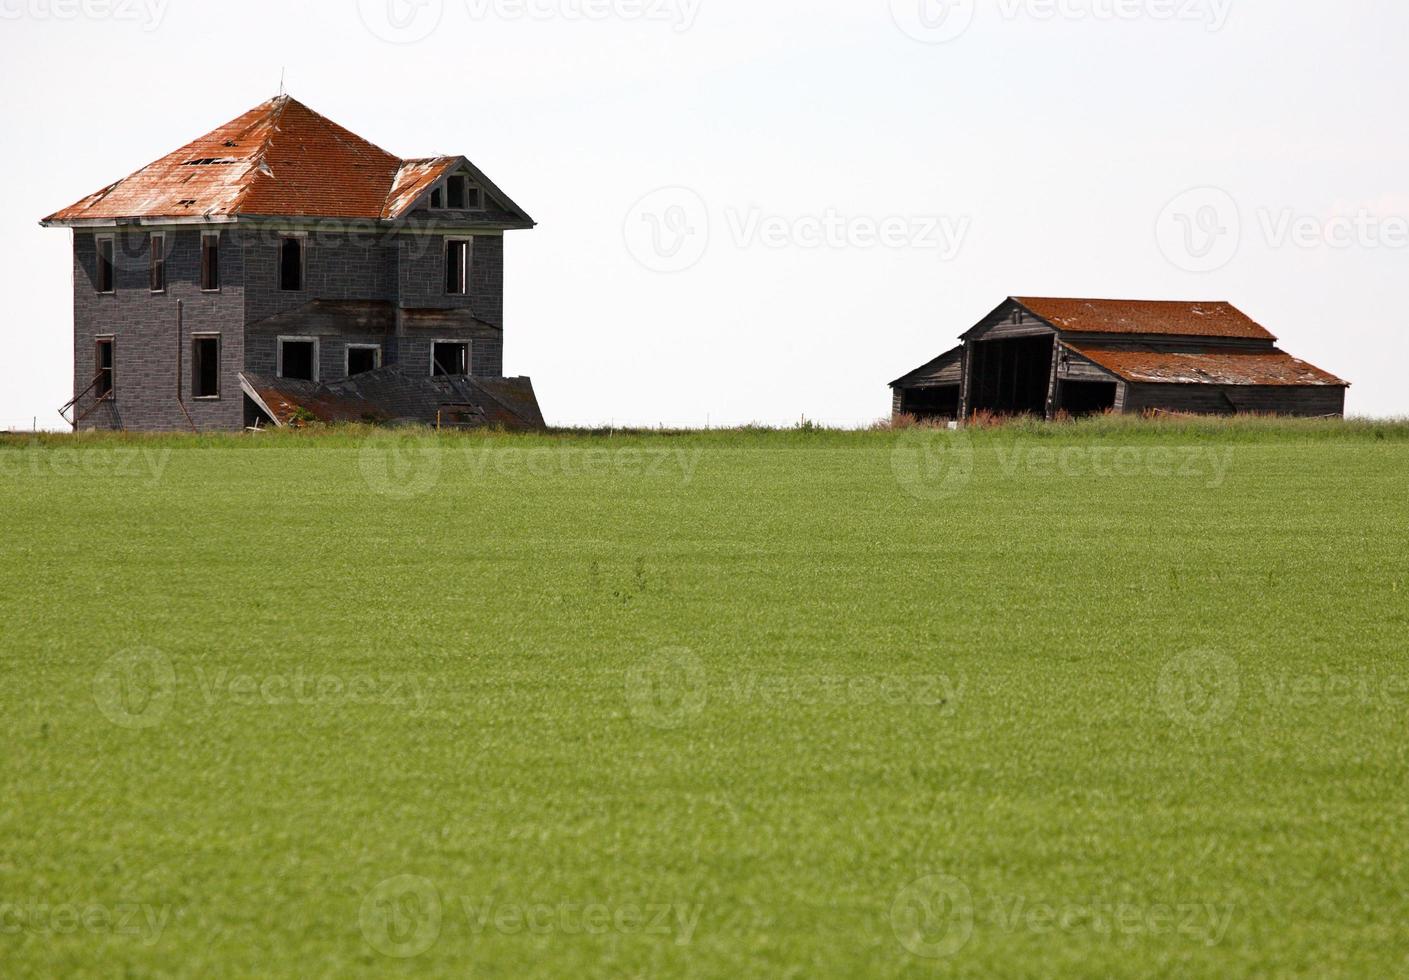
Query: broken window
291	263
455	196
298	358
210	262
362	358
103	356
205	366
437	199
106	277
461	195
157	266
457	267
450	359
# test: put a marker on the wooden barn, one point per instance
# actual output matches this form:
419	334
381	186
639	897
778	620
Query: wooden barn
1082	357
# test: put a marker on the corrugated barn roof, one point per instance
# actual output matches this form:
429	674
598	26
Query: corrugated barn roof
1153	317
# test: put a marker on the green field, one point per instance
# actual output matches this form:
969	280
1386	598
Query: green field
1100	699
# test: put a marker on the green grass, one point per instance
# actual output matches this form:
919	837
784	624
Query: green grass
1097	699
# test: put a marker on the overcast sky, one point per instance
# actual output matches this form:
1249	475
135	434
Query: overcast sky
756	210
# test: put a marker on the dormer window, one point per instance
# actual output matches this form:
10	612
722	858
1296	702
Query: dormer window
458	193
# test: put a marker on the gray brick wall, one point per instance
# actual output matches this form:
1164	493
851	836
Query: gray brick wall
144	328
402	269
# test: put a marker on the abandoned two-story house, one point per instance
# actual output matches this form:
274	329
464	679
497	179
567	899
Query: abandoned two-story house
282	269
1045	357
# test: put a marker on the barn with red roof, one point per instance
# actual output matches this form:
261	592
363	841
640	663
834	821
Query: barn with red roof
1045	357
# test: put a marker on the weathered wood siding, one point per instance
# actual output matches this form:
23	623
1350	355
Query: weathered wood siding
1310	401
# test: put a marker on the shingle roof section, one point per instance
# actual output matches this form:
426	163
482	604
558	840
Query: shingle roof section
1152	317
280	159
1220	366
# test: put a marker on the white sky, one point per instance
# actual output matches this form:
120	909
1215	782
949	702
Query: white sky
1037	152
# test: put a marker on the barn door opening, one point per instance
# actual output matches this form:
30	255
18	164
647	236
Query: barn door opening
1080	398
1011	377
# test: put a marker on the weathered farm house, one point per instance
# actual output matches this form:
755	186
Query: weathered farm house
1078	356
281	269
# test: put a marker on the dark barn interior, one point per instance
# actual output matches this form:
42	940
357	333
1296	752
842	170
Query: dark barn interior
1011	377
928	404
1080	398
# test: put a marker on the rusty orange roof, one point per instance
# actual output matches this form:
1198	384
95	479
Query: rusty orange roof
280	159
1220	366
1211	319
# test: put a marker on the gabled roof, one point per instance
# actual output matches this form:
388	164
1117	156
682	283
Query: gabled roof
1215	366
1151	317
280	159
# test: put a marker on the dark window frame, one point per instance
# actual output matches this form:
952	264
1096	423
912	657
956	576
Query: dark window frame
108	372
437	363
106	271
459	271
376	350
315	354
284	242
156	265
210	262
199	343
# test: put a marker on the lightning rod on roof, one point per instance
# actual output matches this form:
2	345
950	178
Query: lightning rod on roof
281	81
